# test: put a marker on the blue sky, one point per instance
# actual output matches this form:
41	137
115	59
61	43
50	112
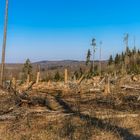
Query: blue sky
63	29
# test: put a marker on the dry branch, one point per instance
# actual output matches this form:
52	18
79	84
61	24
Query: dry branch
129	87
80	80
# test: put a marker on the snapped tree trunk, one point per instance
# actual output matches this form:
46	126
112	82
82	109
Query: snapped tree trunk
66	76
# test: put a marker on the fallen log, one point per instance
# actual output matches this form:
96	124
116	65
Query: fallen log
7	118
111	116
129	87
6	111
117	116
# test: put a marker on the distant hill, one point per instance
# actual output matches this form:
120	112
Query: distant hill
60	64
73	64
52	65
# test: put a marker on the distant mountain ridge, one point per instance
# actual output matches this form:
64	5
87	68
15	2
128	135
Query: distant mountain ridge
58	61
63	63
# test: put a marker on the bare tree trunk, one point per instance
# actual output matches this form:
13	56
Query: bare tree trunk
100	62
93	63
28	80
4	44
38	75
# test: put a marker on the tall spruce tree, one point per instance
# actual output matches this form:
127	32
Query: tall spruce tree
27	69
88	57
57	76
117	59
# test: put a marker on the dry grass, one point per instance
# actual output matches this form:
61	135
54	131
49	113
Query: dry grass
71	117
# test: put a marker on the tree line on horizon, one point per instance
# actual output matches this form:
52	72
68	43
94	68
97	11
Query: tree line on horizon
128	61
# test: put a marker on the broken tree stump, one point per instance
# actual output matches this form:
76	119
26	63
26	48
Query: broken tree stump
14	83
74	79
38	77
134	78
49	83
107	86
66	76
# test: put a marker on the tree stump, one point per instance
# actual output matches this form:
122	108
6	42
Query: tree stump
107	86
38	77
66	76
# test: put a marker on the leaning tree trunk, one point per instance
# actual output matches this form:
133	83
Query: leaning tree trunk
4	44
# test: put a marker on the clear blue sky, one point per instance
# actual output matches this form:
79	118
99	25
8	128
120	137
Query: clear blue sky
63	29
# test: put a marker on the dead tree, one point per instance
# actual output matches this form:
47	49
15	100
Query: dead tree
4	44
100	62
94	49
38	75
107	86
126	37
